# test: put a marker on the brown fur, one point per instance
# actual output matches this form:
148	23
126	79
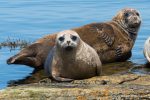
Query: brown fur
111	41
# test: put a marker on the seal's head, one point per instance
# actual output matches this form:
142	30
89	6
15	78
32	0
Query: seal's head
129	19
67	40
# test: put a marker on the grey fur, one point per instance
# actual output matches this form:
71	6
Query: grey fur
82	62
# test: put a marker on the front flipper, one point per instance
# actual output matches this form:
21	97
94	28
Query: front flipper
107	39
60	79
105	32
123	50
118	52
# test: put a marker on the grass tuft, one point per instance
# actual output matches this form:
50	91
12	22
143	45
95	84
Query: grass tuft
14	43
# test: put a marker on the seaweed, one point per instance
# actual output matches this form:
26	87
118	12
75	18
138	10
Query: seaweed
14	43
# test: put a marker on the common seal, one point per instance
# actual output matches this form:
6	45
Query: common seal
113	40
71	58
146	50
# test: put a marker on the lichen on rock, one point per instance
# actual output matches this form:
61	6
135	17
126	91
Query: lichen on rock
127	86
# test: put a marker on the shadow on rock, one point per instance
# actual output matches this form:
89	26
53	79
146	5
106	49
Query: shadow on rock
35	77
38	76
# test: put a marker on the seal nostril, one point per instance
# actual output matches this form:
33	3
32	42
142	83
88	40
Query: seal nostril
68	42
135	18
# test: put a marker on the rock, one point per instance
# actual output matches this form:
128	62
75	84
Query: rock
127	86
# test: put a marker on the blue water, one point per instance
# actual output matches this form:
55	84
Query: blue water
32	19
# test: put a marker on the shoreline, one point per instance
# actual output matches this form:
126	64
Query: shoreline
102	87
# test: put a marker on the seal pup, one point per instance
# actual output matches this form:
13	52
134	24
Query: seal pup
146	50
113	40
71	58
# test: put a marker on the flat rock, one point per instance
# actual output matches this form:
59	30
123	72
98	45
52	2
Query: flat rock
120	87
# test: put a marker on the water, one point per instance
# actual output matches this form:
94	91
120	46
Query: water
32	19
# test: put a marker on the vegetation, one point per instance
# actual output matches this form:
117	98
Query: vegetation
113	87
14	43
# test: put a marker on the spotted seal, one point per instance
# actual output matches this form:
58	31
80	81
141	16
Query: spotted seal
71	58
113	40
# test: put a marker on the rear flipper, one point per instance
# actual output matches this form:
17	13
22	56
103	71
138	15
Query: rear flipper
14	59
35	54
27	56
29	61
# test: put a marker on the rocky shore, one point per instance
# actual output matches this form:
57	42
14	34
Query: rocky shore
113	87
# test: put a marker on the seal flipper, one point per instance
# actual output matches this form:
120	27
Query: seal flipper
29	61
105	32
25	59
61	79
13	59
113	56
27	56
118	52
108	40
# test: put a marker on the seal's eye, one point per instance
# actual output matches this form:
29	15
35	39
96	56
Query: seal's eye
74	38
126	14
61	39
137	14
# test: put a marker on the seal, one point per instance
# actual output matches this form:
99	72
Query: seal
146	50
71	58
113	40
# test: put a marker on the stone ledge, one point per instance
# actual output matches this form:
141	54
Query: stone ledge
128	86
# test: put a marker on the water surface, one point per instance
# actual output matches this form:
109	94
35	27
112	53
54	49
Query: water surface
32	19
